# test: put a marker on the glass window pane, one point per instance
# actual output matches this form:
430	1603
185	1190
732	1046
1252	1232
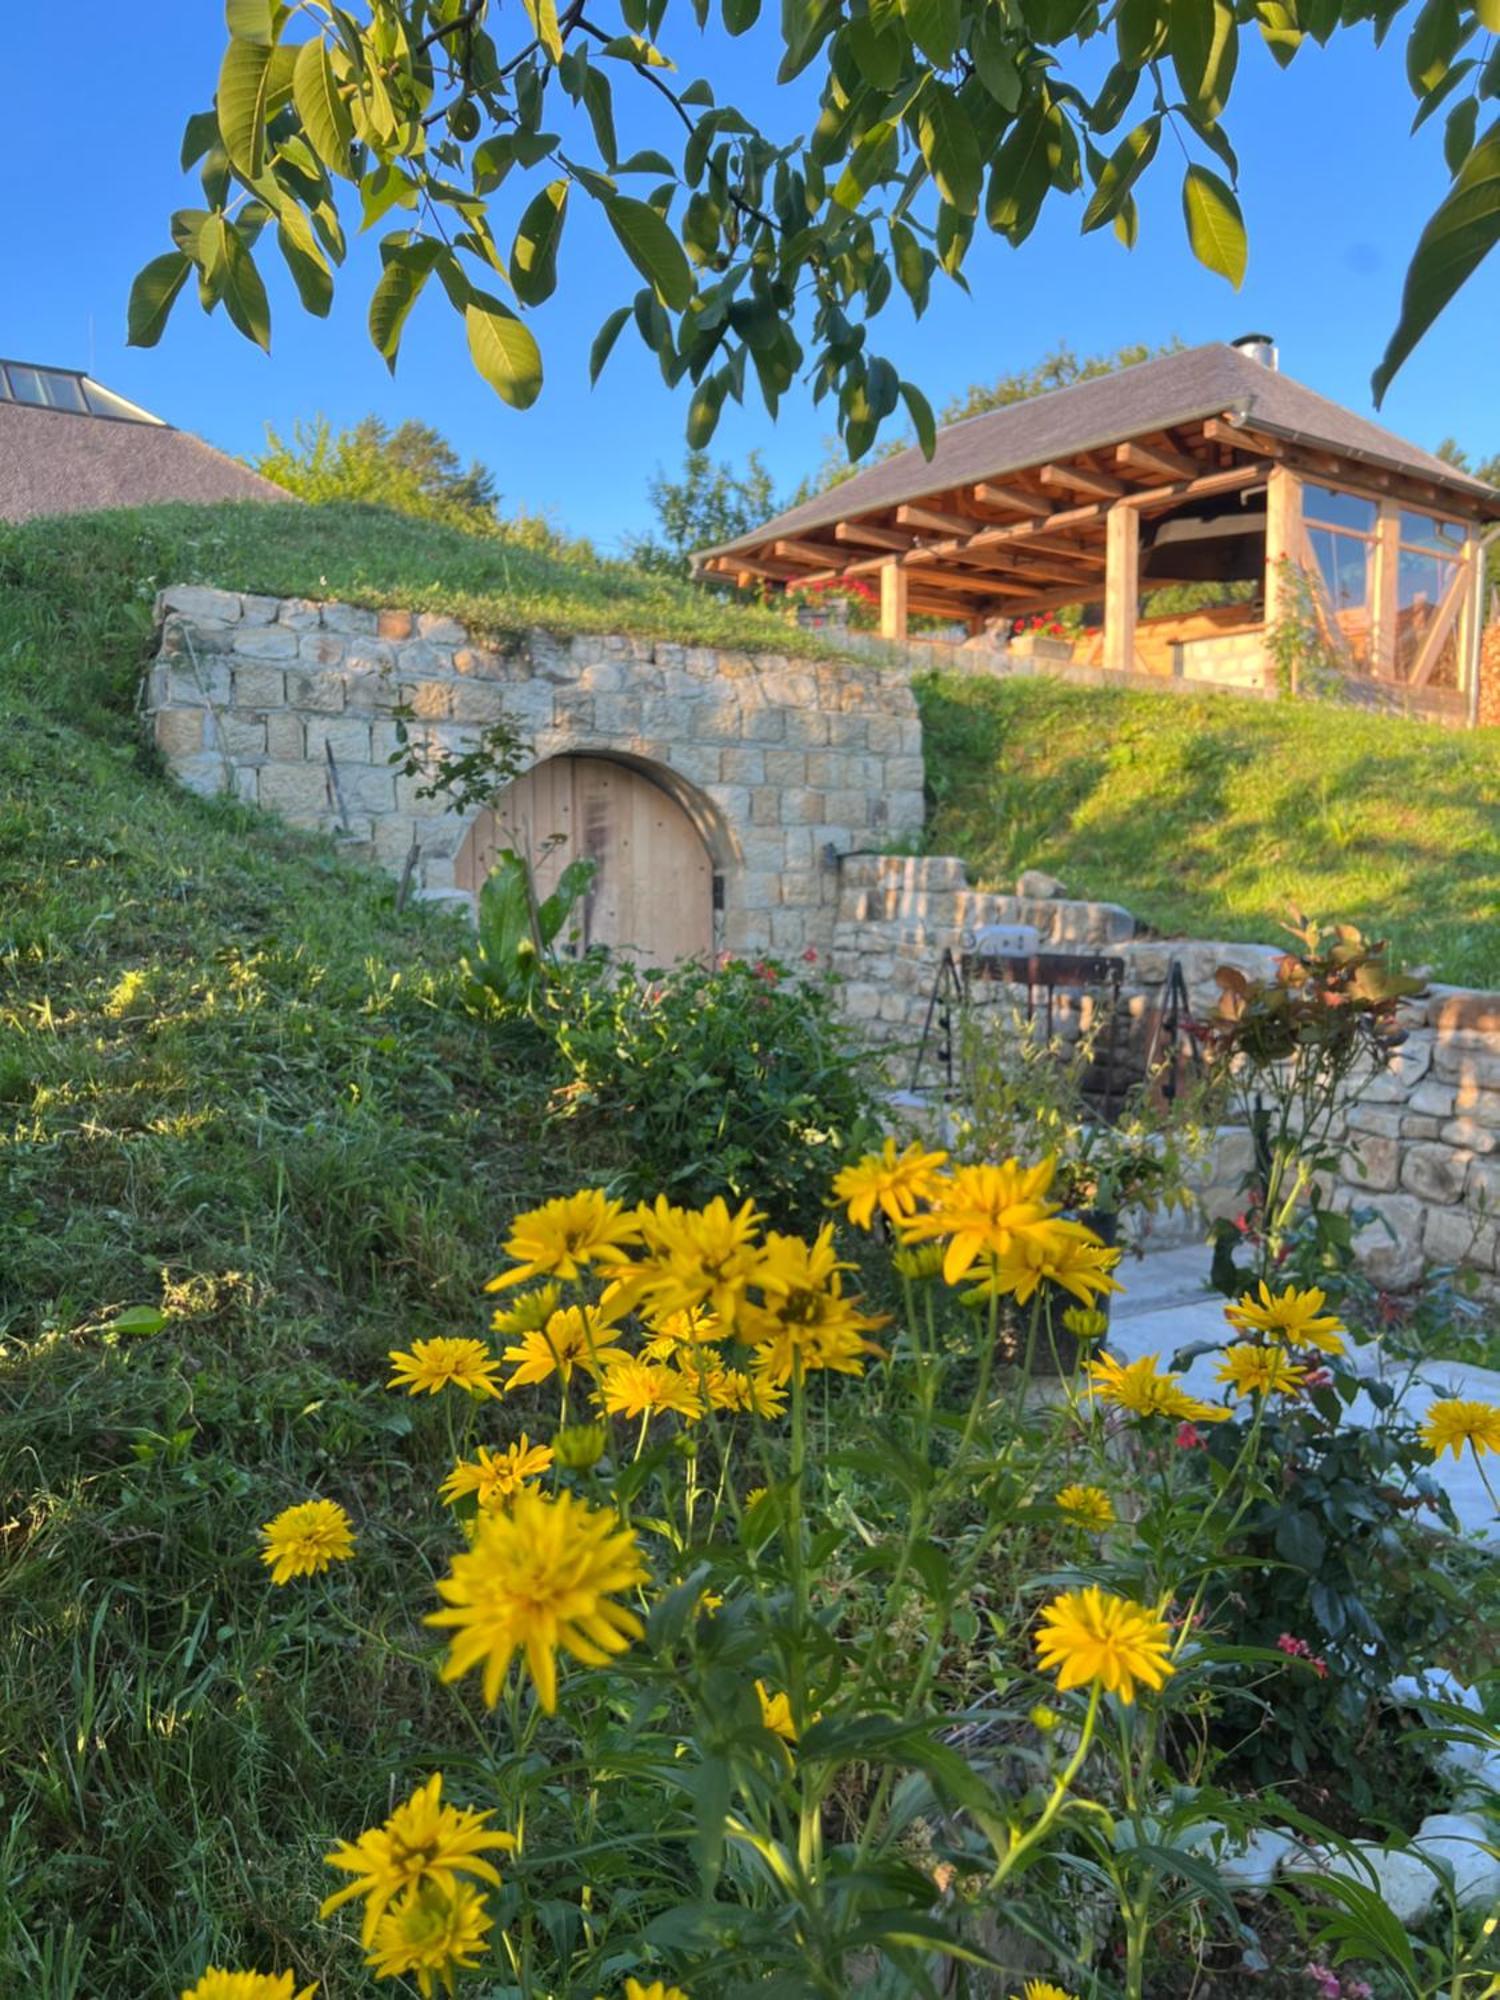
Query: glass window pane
4	388
1422	532
105	404
62	391
26	385
1345	565
1339	510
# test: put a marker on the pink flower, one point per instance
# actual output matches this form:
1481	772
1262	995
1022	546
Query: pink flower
1189	1437
810	956
1317	1378
1326	1982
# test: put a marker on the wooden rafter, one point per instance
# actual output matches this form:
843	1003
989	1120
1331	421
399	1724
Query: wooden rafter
1010	500
912	516
1158	460
1082	479
864	534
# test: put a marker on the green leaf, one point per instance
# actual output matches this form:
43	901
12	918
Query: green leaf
138	1320
1432	45
1205	47
504	351
244	80
1140	31
321	108
934	26
231	276
153	296
544	22
995	62
703	411
951	149
1278	29
1461	233
406	272
650	245
533	257
873	159
1458	134
1121	171
305	260
1487	12
922	421
604	341
250	20
1215	227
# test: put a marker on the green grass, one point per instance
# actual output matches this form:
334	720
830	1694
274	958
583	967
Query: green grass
237	1088
1209	816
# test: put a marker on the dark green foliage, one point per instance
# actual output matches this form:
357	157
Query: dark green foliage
738	1081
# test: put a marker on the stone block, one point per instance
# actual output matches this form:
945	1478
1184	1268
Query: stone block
1381	1120
765	806
1458	1236
204	774
474	701
1455	1008
1374	1162
194	601
800	807
742	767
259	687
366	788
299	792
258	610
429	701
1389	1248
374	690
393	836
805	729
1414	1126
348	737
440	630
239	735
477	664
179	731
303	614
1471	1134
286	736
322	693
393	624
350	619
1396	1081
756	890
1482	1189
266	642
1436	1173
766	725
861	1002
322	649
1432	1098
849	809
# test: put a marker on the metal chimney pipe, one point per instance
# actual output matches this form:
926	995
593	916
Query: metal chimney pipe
1259	347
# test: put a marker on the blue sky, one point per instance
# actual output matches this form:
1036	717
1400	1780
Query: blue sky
1334	190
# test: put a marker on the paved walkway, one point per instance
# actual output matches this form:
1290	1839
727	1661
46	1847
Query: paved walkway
1166	1305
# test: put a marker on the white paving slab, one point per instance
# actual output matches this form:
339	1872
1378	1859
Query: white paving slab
1167	1306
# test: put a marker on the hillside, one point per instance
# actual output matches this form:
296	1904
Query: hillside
1208	816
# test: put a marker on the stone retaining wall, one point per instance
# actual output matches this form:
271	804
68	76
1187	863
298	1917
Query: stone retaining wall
1423	1135
783	763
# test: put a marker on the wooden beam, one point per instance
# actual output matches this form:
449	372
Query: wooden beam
778	572
1122	587
929	517
1082	479
1010	499
1079	552
1192	489
816	555
1385	592
971	582
1283	541
1157	459
1443	616
1218	430
864	535
893	600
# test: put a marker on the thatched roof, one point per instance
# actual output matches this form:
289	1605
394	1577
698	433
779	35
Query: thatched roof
89	449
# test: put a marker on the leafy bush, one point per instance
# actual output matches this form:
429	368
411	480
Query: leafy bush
714	1081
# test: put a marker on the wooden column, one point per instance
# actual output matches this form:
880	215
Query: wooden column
1122	586
1471	627
1385	592
1283	537
892	601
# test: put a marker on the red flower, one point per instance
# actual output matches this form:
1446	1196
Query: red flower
1189	1437
810	956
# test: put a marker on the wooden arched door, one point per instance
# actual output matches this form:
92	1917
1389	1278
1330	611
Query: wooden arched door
652	895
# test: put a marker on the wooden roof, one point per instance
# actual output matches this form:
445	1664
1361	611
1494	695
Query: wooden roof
1008	515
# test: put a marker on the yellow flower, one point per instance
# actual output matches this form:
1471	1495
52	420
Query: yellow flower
495	1475
890	1181
1042	1989
304	1540
1260	1371
1090	1506
776	1713
1045	1719
634	1990
445	1363
703	1257
640	1388
432	1933
676	1334
1293	1317
978	1210
576	1337
1138	1388
805	1323
220	1985
563	1237
529	1312
423	1844
1059	1253
918	1265
538	1580
1457	1421
1090	1637
733	1389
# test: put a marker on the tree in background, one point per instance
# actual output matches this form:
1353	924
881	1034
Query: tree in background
1058	370
471	130
412	469
710	503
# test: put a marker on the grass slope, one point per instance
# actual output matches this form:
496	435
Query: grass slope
1209	816
236	1088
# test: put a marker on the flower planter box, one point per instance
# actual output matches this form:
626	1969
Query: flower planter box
1037	646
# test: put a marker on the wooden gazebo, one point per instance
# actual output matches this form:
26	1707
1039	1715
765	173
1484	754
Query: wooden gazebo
1205	466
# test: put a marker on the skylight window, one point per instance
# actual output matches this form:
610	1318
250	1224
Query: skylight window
65	389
